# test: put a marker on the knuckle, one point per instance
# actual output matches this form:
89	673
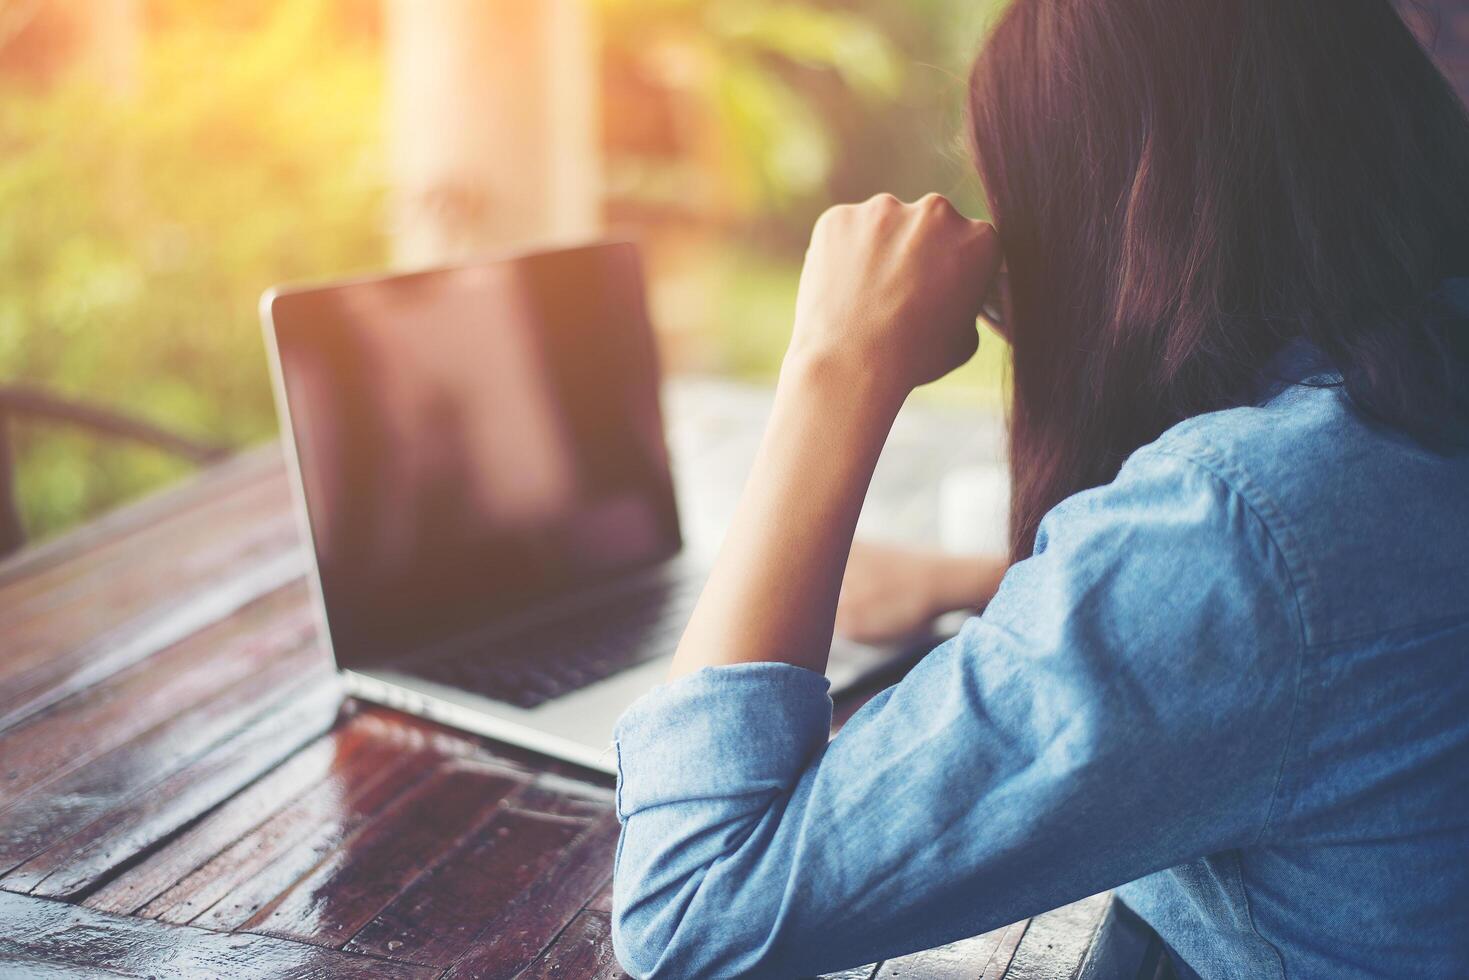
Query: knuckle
830	215
937	208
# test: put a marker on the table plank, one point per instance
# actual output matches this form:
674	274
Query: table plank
64	807
317	771
98	588
584	949
1056	944
441	915
49	745
85	860
512	938
55	939
264	865
982	956
336	900
76	664
602	901
556	795
166	506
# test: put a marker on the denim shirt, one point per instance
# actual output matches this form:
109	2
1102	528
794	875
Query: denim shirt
1233	682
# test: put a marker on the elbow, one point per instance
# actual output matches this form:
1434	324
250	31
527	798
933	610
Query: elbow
678	934
639	950
654	939
707	897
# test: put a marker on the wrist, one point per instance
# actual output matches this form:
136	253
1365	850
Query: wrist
841	377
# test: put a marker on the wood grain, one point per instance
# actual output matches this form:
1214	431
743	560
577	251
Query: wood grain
74	668
108	783
85	859
1055	945
965	960
512	938
152	513
265	864
42	938
50	745
602	901
584	949
317	770
438	919
71	600
343	894
969	959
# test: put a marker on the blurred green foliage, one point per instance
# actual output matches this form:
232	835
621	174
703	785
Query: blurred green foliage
817	101
136	233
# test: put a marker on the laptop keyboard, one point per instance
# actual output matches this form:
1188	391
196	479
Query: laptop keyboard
557	659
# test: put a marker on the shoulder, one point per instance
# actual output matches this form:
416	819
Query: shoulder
1372	527
1168	550
1279	448
1161	595
1277	459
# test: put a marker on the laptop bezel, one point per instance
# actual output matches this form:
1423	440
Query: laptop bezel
270	328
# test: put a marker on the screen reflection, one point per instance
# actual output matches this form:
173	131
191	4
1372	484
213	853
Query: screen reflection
472	440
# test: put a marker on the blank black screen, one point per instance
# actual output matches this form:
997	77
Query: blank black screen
471	440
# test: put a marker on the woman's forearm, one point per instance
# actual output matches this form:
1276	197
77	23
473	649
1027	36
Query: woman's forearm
772	594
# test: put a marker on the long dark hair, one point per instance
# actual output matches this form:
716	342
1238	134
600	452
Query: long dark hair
1183	187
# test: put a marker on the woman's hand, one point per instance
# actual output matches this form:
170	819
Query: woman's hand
893	290
891	593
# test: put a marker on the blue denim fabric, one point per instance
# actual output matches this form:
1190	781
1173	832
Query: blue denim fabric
1234	681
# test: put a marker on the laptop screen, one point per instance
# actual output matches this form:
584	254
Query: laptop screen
472	440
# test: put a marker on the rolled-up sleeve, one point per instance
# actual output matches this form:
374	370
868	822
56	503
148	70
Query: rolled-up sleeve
1121	706
781	714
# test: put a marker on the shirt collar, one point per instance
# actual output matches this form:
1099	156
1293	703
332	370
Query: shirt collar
1298	362
1301	362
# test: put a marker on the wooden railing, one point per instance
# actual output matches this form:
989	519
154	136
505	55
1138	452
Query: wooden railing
31	402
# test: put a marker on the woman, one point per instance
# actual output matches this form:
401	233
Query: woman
1226	672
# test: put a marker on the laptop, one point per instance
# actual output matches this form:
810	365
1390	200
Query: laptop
480	467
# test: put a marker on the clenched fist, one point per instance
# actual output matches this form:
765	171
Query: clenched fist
894	290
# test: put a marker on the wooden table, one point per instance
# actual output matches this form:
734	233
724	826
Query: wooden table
184	790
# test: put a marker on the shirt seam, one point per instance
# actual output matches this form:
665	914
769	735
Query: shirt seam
1209	468
1244	894
1411	628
